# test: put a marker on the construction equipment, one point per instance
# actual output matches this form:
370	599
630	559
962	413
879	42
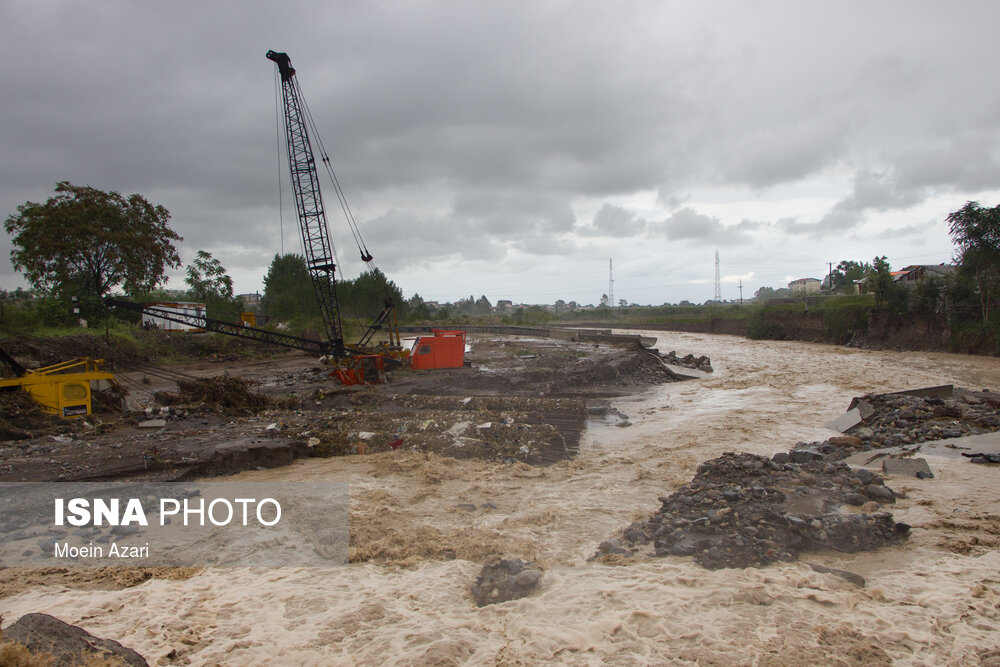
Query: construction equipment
355	362
63	389
319	249
445	349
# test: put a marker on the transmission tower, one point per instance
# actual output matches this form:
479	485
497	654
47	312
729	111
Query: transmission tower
611	283
718	283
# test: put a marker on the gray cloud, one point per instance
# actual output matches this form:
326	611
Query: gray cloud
688	224
613	220
474	130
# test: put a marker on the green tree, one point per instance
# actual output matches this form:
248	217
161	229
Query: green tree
288	290
208	279
86	241
847	273
879	280
364	297
483	305
417	309
975	230
763	294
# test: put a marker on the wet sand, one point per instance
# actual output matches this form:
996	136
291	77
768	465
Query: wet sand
932	600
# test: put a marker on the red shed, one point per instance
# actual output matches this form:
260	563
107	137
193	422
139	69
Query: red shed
445	349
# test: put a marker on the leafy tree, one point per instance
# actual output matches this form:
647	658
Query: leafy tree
86	241
847	273
976	232
483	305
208	279
364	297
763	294
879	280
417	309
288	290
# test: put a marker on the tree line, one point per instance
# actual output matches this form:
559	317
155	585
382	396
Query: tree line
85	243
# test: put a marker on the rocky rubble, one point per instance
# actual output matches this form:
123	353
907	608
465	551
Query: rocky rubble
900	419
701	363
49	638
502	580
743	510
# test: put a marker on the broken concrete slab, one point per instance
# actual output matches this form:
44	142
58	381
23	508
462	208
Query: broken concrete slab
153	423
908	467
848	420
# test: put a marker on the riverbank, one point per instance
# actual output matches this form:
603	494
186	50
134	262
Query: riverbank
930	600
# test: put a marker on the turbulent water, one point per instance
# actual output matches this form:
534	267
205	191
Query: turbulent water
933	600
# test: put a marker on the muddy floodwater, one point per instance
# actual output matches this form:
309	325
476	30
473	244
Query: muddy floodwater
933	600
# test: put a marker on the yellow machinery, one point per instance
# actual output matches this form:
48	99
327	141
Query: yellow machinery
64	389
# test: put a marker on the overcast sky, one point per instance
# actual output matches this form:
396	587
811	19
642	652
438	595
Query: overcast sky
512	148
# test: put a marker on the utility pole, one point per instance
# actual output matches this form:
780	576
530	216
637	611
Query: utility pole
718	283
611	283
829	278
741	291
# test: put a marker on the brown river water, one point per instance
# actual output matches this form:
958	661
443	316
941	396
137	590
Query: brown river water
931	601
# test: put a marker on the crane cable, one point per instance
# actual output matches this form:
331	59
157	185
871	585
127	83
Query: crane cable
277	138
359	241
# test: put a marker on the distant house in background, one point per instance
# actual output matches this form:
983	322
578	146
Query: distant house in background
912	274
250	301
805	286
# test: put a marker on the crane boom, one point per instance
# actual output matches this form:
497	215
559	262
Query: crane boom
316	240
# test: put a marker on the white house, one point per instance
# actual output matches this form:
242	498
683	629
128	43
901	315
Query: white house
805	286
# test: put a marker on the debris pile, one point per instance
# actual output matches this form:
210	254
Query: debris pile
223	394
493	428
744	510
892	420
502	580
22	418
701	363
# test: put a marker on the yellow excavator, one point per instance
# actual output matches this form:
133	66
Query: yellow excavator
63	389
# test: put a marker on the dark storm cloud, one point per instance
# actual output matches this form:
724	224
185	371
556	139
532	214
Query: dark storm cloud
475	130
688	224
613	220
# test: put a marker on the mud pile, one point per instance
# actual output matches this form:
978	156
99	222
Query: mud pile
743	510
221	394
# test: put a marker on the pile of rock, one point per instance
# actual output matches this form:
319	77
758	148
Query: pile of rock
501	580
892	420
701	363
742	510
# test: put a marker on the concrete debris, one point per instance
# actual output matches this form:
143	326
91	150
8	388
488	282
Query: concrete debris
846	421
908	467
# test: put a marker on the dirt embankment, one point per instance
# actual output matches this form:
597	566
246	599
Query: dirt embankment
912	331
520	400
876	330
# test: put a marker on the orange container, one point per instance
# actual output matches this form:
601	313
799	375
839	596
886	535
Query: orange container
445	349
